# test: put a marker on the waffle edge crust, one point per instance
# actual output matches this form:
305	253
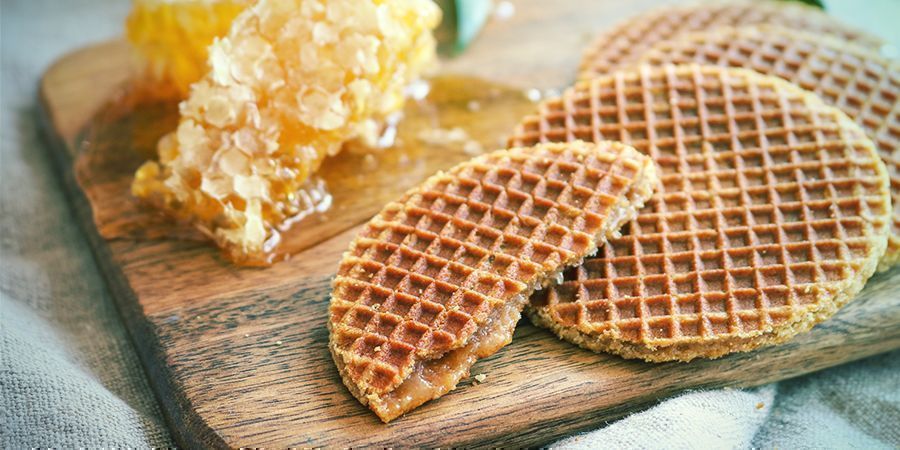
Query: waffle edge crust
438	279
772	213
856	80
625	42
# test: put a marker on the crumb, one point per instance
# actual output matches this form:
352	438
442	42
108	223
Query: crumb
504	10
442	137
480	378
473	148
277	342
418	89
760	405
378	349
533	94
369	162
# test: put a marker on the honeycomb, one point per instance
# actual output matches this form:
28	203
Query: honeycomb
291	82
171	36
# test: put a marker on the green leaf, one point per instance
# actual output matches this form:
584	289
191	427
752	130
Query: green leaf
816	3
463	20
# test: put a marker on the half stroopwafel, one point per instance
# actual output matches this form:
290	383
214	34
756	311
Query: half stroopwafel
439	278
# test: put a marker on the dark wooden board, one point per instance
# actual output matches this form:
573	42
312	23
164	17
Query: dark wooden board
238	357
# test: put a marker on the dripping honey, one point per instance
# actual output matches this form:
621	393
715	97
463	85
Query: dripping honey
460	117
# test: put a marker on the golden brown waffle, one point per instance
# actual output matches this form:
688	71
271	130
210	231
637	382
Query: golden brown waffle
624	43
856	80
773	212
439	278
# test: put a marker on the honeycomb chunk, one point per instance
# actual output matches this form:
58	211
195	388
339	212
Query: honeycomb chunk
171	36
291	82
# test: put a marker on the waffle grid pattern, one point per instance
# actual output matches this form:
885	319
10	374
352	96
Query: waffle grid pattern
430	269
770	204
625	42
857	81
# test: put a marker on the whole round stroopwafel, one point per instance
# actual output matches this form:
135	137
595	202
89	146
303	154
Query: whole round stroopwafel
625	42
858	81
773	211
438	278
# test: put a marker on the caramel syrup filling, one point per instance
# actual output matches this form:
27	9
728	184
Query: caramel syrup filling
433	378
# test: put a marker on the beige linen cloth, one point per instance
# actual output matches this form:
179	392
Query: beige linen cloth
69	376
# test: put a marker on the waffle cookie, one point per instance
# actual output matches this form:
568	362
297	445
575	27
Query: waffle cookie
625	42
439	278
858	81
773	211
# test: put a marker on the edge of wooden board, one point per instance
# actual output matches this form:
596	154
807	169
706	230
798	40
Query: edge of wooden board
139	328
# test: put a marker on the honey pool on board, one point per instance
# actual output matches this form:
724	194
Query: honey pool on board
460	117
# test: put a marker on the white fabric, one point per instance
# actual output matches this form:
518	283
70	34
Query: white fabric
726	418
852	406
69	376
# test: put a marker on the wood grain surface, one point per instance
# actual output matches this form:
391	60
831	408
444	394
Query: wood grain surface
238	357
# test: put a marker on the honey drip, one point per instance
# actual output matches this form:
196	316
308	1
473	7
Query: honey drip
459	117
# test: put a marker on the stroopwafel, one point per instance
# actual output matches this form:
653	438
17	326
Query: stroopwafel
625	42
438	278
773	211
858	81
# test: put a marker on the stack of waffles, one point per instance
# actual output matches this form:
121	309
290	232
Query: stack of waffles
768	218
719	179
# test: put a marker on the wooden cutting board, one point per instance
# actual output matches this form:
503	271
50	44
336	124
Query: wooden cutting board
238	356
